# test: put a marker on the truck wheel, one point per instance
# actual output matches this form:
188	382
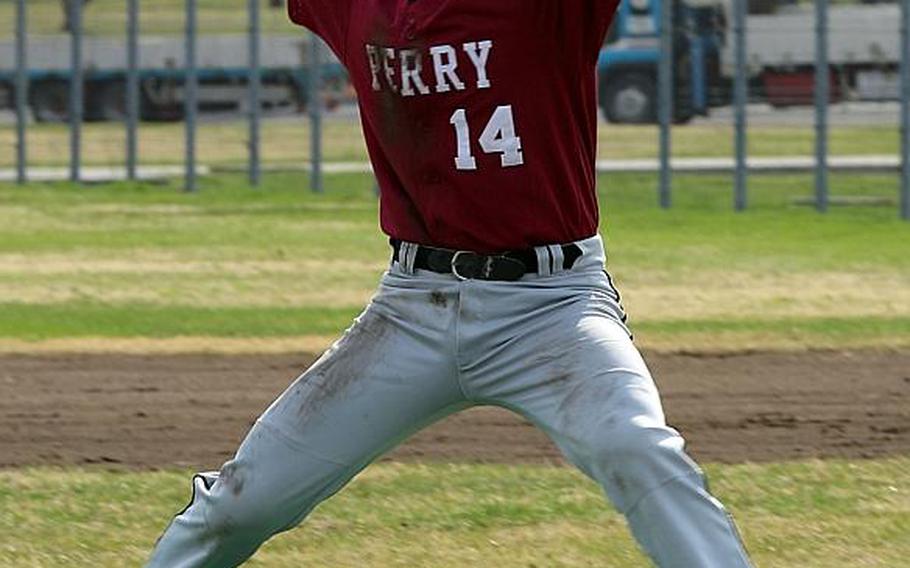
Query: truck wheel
50	101
109	102
302	100
683	118
756	7
630	99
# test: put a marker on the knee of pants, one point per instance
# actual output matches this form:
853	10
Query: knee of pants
634	459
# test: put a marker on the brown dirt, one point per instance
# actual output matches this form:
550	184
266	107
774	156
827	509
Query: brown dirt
192	410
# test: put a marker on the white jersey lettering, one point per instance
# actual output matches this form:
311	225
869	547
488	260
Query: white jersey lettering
388	64
479	54
411	67
445	64
375	65
402	70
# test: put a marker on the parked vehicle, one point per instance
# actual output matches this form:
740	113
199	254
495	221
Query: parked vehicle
864	52
629	60
864	56
222	75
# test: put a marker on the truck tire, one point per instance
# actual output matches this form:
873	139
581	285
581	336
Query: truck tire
108	102
301	99
50	101
630	98
762	7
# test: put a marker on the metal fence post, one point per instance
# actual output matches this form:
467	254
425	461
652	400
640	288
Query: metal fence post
665	101
315	102
822	98
255	85
191	84
77	88
21	93
740	98
905	110
132	88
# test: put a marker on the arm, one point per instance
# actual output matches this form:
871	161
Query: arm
326	18
582	24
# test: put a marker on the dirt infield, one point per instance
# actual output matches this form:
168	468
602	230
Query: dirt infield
191	411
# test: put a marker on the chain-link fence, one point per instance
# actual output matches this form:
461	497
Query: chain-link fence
739	89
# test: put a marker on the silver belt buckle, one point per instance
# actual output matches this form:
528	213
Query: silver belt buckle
455	258
486	270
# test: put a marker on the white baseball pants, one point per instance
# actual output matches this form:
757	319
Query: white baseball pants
550	347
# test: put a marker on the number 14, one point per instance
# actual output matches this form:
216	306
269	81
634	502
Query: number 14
498	137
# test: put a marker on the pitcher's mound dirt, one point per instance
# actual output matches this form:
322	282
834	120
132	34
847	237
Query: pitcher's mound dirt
192	411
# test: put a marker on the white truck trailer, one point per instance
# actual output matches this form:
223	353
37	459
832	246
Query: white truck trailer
864	52
222	69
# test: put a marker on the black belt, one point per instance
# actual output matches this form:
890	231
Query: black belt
465	265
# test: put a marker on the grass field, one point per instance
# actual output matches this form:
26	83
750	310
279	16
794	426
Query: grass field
807	515
143	261
287	142
108	17
144	267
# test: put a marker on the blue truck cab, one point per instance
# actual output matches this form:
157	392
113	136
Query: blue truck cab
628	62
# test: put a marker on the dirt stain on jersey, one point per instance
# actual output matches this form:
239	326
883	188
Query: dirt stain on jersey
344	366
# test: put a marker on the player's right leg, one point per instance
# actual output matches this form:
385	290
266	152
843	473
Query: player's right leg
390	375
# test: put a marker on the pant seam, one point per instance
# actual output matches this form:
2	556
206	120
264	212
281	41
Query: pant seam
459	379
296	445
630	510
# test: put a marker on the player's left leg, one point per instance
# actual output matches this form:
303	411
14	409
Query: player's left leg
610	424
568	364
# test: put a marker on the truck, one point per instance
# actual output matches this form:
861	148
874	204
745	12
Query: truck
629	60
222	71
864	52
864	56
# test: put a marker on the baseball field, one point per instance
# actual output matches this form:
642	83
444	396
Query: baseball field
142	330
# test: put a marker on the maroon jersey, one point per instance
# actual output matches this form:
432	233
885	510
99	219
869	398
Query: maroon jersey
480	116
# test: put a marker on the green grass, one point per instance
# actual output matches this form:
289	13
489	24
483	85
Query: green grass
804	514
224	144
53	321
99	320
140	260
715	140
108	17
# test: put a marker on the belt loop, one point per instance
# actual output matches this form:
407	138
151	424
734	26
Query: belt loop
406	257
558	258
544	258
593	251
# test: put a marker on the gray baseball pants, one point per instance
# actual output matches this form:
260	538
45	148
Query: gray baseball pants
551	347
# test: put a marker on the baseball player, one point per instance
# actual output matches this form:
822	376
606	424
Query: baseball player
481	122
